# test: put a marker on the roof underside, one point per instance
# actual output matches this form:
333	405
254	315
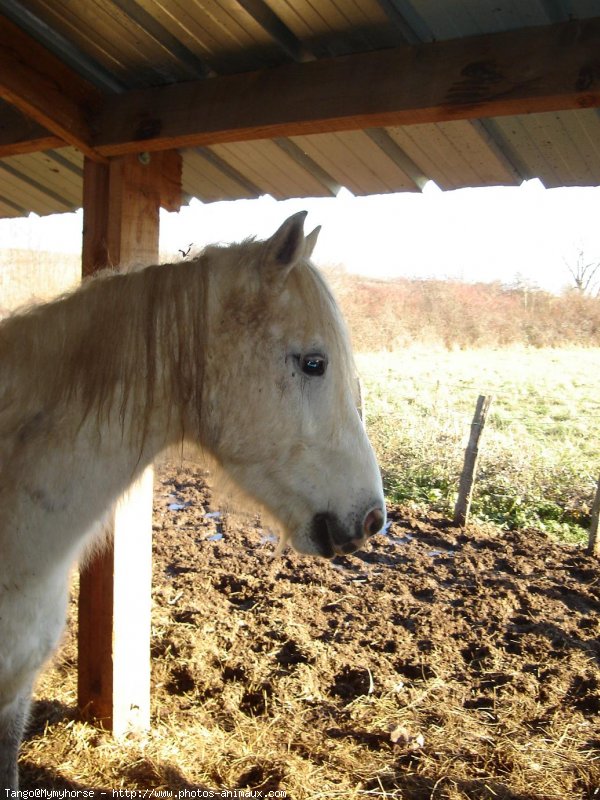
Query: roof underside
120	46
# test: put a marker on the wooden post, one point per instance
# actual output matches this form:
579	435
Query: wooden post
121	225
593	540
467	478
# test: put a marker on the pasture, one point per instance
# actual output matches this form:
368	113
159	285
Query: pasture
539	460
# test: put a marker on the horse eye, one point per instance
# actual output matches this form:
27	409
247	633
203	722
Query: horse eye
313	364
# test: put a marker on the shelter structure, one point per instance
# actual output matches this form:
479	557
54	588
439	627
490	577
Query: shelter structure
124	106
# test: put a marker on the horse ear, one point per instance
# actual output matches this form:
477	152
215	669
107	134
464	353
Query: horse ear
311	241
286	247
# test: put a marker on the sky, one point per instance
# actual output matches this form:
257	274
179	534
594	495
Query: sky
506	234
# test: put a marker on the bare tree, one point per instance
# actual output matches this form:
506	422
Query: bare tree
585	274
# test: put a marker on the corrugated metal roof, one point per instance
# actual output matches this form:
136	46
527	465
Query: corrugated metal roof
356	162
271	169
125	44
456	153
45	183
564	148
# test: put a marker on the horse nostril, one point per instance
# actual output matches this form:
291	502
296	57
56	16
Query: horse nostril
374	522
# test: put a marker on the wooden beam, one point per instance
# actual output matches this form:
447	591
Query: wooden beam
553	68
20	135
45	89
121	225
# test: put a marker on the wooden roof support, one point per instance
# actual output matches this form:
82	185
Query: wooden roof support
551	68
121	225
19	135
47	91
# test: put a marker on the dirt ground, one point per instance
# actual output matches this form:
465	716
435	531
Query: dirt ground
436	664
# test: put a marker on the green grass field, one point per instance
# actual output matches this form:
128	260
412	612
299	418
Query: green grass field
539	453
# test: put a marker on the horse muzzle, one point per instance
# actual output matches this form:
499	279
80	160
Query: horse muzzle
332	538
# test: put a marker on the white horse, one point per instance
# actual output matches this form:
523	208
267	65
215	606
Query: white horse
242	351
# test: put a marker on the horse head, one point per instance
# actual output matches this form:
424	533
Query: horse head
281	398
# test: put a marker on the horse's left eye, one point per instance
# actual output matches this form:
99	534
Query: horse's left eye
313	364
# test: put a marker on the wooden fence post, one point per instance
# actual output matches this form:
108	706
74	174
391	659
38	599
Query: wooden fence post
593	541
467	478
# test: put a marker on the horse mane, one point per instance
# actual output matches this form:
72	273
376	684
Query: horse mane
116	340
104	343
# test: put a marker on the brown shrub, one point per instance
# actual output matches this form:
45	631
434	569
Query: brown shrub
387	314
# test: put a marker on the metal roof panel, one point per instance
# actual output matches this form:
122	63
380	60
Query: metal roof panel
271	169
9	209
560	149
45	183
355	161
455	154
209	178
336	27
146	43
461	18
59	171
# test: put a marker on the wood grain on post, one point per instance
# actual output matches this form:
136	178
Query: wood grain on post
467	478
593	540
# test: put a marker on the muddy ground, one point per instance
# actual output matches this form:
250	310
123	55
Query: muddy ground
435	664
